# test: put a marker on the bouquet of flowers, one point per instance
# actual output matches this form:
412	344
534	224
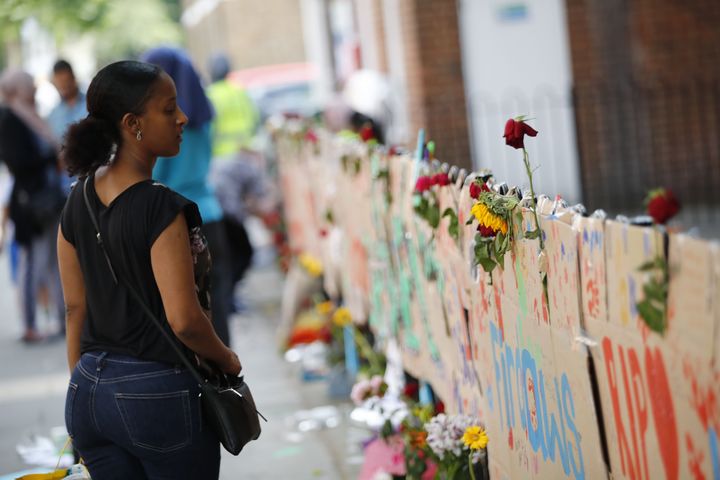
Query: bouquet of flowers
425	201
458	444
418	463
368	388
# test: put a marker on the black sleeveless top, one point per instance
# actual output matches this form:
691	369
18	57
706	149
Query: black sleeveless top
129	225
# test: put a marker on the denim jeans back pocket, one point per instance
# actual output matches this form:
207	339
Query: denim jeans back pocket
157	421
70	407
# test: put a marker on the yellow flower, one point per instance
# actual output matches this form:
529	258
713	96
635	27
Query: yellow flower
312	265
323	308
475	437
342	317
488	219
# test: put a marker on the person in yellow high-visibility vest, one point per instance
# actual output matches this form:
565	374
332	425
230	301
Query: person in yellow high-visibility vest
236	180
236	117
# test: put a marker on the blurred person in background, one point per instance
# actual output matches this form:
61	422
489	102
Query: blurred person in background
368	94
71	108
29	150
234	173
236	118
242	189
187	173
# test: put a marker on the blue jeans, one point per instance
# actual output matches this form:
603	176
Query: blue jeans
137	419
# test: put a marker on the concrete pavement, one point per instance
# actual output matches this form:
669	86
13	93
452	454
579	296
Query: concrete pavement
33	380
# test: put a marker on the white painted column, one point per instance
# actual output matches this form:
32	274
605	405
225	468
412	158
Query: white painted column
398	127
516	60
318	49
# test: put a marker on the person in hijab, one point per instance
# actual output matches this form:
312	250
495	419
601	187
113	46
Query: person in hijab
28	149
187	173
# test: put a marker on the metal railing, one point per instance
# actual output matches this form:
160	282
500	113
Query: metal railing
633	137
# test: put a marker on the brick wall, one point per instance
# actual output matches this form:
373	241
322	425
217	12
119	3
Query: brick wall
647	92
379	27
436	96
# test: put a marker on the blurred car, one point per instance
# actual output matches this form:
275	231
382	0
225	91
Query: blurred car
279	89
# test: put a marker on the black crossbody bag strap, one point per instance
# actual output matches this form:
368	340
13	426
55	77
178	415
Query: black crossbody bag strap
183	358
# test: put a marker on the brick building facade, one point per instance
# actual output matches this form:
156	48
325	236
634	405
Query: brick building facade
647	99
434	87
645	75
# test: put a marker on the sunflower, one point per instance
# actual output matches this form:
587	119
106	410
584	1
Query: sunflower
488	219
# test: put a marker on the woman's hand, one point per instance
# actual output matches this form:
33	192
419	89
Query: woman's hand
232	365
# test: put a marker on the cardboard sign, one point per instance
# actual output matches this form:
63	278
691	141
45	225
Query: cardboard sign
568	378
655	395
466	394
627	248
692	298
591	252
563	278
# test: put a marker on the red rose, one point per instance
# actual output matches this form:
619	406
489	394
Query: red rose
486	231
515	131
439	408
662	205
310	136
441	179
476	189
423	184
411	390
366	133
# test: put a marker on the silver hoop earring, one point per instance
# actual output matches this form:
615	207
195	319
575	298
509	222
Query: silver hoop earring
138	135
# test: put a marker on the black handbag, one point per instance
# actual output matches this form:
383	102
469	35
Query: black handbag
227	404
42	206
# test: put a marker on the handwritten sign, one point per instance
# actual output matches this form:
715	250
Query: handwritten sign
548	350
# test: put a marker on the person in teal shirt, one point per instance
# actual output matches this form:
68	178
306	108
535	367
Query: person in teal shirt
187	173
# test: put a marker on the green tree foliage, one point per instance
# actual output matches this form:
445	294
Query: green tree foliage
60	17
119	29
132	26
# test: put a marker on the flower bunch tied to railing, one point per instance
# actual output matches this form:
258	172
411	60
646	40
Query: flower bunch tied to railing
458	444
496	216
661	205
425	200
496	213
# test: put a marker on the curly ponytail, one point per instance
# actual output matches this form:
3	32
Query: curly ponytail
117	89
89	144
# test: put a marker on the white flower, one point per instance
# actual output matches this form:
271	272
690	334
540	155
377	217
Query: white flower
360	391
445	434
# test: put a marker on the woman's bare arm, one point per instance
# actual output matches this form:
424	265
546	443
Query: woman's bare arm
73	286
173	269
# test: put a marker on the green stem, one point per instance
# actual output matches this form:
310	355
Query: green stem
367	351
526	160
451	471
470	466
